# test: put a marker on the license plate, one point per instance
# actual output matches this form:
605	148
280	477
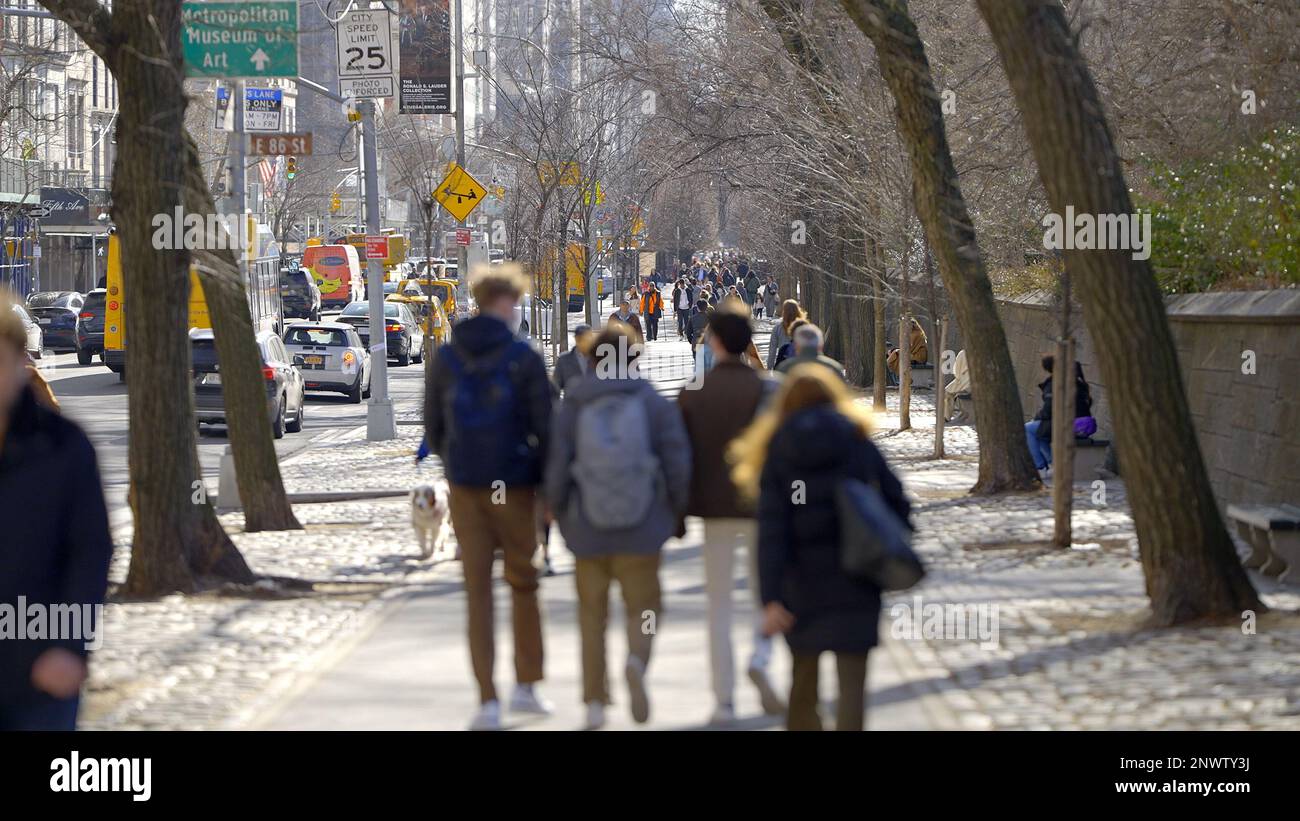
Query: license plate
45	321
211	379
314	360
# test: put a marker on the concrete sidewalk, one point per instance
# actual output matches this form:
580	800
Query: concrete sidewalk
412	672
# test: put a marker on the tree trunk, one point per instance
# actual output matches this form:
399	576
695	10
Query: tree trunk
1005	463
178	544
1192	571
261	488
881	352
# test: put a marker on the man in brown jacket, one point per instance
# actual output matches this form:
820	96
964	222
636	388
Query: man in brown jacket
718	408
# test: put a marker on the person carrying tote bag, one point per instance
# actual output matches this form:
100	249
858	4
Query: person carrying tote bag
794	458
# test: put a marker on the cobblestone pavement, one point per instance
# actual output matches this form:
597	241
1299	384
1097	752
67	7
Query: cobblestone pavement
1071	652
1068	651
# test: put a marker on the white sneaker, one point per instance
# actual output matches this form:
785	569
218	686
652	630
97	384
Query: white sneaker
488	716
526	700
595	715
640	701
723	714
767	695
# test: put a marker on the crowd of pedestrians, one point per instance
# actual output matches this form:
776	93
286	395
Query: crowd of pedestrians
754	447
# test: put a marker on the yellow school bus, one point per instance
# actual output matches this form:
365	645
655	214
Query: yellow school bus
261	284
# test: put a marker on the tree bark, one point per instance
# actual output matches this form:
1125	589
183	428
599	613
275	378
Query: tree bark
1004	463
881	352
178	544
1191	568
261	488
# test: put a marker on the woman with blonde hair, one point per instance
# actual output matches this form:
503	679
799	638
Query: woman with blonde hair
792	458
783	332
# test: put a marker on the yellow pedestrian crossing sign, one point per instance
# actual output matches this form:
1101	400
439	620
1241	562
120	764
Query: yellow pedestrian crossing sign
459	192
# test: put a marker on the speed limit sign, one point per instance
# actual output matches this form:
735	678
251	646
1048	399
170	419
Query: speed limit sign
365	45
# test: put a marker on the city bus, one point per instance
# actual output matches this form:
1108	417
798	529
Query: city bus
261	285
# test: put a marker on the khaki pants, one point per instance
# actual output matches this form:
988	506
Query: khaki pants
722	539
482	528
638	580
852	670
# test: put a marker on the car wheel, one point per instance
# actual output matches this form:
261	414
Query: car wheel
296	425
357	393
404	358
417	359
83	356
315	315
365	394
523	327
277	427
121	374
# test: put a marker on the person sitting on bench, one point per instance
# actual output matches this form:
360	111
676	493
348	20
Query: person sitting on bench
1039	429
959	385
918	345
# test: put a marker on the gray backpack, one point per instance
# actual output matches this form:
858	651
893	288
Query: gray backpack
616	471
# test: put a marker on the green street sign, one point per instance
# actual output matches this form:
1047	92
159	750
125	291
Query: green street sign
240	38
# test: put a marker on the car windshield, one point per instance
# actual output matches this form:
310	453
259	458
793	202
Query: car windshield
94	301
390	287
49	300
333	337
21	311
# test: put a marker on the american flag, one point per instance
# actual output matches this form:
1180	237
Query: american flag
270	171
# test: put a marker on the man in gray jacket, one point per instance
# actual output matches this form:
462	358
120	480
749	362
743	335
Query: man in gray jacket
617	479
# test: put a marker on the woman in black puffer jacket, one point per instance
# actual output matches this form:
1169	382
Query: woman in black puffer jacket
812	437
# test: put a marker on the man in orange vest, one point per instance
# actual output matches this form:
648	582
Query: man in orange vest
652	307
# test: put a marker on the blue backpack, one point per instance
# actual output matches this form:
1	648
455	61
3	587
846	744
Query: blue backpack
483	413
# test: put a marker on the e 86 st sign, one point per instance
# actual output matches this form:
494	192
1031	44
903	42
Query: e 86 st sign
274	144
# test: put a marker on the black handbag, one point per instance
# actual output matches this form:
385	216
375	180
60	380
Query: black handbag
875	544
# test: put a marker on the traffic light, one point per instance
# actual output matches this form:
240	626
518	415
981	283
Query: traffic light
336	202
291	168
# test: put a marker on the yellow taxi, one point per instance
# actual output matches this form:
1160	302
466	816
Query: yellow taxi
436	327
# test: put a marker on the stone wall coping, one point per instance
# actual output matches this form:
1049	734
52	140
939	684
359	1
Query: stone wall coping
1269	307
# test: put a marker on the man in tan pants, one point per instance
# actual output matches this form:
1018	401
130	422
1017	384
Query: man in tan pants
487	416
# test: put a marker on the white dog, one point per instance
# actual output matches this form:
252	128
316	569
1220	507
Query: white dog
430	516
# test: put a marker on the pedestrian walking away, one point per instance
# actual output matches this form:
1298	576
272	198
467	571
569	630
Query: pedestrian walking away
813	437
487	415
617	478
724	404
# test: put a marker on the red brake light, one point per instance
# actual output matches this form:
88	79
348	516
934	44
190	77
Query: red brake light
268	373
86	315
395	327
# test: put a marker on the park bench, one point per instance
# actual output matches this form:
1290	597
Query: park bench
963	409
1273	534
1089	456
922	375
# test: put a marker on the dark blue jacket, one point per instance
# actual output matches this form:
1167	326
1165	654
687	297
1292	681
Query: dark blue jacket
798	538
54	538
516	453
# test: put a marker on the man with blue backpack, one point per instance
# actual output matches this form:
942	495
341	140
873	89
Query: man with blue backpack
488	416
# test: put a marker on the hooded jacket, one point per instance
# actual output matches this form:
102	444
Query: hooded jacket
668	442
516	457
798	539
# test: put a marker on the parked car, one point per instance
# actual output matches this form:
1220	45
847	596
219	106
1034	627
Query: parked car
331	357
299	294
34	336
285	390
57	314
403	334
90	331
